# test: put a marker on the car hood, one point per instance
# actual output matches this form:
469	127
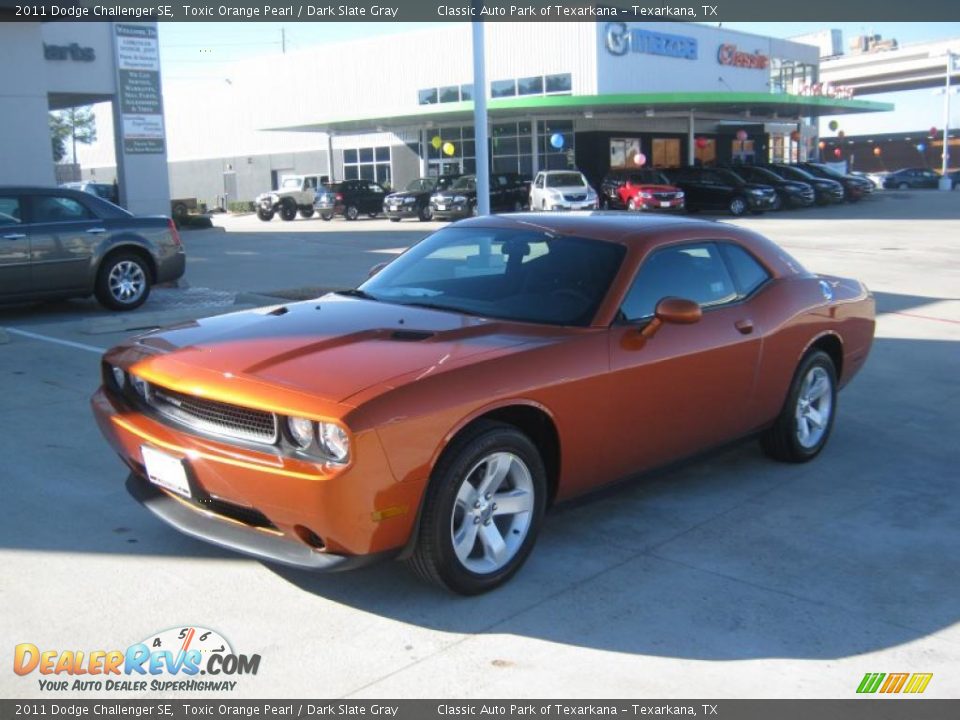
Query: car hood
571	189
757	186
450	193
656	188
331	348
401	194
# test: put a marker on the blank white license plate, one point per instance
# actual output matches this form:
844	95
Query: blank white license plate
394	208
165	470
664	203
441	207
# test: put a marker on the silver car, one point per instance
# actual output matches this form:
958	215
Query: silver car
60	243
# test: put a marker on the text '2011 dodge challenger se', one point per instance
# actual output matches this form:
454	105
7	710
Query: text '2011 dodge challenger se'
498	366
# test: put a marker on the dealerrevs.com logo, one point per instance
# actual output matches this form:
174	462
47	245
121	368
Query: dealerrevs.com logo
178	659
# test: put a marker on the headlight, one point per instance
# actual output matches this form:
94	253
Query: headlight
756	191
409	201
334	441
646	195
140	386
680	195
301	430
119	377
459	199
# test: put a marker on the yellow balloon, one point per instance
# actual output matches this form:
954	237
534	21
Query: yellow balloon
436	142
448	148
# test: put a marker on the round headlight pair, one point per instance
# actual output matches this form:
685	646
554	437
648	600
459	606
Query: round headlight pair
140	386
331	439
119	377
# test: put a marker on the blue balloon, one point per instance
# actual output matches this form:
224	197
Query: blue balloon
556	140
921	147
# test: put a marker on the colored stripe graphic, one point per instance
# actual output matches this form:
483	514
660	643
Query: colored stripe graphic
894	682
870	682
918	683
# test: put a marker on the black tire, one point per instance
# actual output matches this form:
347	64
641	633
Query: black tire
265	215
372	216
778	203
288	210
326	217
738	206
425	214
180	211
393	219
306	211
632	204
781	441
434	558
351	212
903	186
110	289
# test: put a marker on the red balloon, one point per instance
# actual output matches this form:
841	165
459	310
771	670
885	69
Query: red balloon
933	131
795	136
877	151
837	152
701	142
741	135
821	144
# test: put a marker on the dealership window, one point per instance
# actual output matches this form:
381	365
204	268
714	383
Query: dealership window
790	76
511	148
450	93
466	92
428	96
369	163
665	153
503	88
462	158
555	153
558	84
530	85
624	152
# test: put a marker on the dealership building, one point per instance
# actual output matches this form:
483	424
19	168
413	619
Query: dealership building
592	95
52	66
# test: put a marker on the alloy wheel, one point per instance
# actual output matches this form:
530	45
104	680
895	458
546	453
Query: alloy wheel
126	281
814	406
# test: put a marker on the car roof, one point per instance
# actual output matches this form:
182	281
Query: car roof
605	225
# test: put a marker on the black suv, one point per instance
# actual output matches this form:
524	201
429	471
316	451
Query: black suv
508	193
790	193
350	198
854	188
721	189
825	190
414	201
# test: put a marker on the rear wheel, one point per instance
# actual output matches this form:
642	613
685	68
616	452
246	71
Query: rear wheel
482	511
123	282
393	219
326	217
288	210
737	206
804	424
306	212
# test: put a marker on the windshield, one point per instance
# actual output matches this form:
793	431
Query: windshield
421	185
291	183
509	274
467	182
565	180
792	173
758	174
648	177
730	176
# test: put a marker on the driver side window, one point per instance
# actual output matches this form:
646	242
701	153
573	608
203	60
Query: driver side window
693	272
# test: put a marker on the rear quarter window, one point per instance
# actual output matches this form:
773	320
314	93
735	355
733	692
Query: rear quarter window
748	273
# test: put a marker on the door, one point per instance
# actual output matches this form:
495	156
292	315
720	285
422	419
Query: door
15	273
688	387
64	233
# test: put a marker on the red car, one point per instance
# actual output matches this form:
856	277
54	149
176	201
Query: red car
500	365
640	190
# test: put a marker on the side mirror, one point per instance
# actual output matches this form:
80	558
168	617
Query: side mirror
674	310
375	269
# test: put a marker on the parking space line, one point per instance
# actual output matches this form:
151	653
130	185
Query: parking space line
57	341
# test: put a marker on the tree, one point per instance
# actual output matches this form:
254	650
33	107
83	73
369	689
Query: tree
76	125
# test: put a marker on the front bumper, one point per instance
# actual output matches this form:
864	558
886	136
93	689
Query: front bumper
662	205
760	202
450	212
798	199
329	208
565	205
403	211
265	504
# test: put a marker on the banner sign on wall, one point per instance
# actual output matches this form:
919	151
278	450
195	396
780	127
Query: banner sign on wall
138	79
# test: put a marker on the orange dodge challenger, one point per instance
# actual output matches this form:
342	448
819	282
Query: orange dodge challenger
498	366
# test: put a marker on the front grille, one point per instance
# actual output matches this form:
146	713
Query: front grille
664	195
212	416
575	198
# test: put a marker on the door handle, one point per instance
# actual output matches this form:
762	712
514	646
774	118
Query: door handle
15	236
96	231
744	326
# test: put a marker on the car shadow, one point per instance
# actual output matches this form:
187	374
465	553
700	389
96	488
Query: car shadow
730	556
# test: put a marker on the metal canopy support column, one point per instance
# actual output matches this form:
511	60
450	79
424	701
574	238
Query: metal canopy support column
691	140
480	121
945	182
422	143
535	142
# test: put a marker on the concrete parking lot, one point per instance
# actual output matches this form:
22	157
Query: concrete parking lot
731	576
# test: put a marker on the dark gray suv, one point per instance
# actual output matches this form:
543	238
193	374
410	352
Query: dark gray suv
60	243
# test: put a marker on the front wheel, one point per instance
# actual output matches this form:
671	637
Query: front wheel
288	210
265	215
778	203
326	217
306	212
123	282
482	510
738	206
632	204
425	214
351	212
903	186
804	424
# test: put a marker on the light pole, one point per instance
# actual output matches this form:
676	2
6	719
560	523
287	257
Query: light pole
480	120
945	182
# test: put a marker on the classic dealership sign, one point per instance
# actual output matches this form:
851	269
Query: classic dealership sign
620	40
729	54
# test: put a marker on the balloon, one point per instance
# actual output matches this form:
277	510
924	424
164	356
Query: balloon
833	125
556	140
741	135
640	159
448	148
877	151
841	134
837	152
795	136
701	142
921	147
933	131
821	144
436	142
